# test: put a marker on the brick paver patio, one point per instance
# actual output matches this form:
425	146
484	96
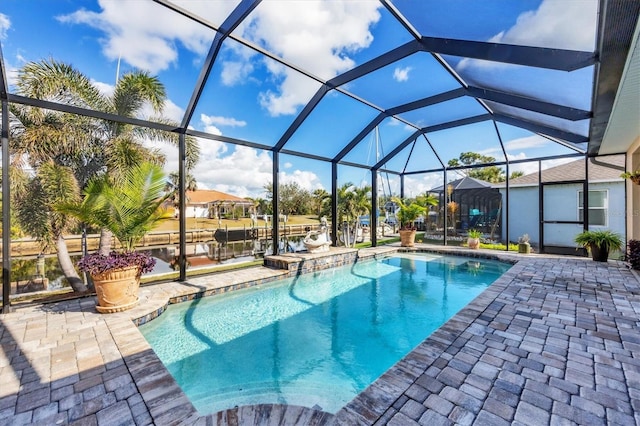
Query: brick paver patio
554	341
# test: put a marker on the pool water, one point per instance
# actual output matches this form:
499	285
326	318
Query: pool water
316	340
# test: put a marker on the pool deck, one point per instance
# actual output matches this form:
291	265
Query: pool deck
556	340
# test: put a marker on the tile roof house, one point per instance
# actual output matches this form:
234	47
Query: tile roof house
549	206
210	203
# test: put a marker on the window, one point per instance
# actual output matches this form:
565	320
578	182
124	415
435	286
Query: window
598	206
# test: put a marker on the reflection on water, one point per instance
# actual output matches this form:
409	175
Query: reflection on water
34	274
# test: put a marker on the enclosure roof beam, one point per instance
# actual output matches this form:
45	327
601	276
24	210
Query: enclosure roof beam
364	132
431	100
537	128
231	23
376	63
539	57
397	149
529	104
227	139
55	106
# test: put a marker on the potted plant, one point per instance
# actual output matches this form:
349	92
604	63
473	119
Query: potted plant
633	176
523	244
473	238
407	214
599	243
129	207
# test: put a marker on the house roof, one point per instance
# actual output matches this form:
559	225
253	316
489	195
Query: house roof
203	196
600	169
464	183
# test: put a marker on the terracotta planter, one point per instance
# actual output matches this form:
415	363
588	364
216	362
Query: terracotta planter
407	237
117	290
635	179
473	243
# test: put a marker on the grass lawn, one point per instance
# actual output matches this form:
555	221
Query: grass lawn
204	223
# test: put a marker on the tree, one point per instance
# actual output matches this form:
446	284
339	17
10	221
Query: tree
352	202
321	202
493	174
129	207
362	200
85	146
35	212
293	199
172	186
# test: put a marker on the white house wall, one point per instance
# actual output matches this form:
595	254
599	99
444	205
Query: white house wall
561	203
523	214
194	211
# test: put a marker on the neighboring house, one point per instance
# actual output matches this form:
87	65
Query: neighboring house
214	204
557	194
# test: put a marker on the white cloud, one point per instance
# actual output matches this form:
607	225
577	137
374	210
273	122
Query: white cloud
305	179
401	74
562	24
222	121
148	44
287	165
5	24
528	142
316	36
235	72
420	185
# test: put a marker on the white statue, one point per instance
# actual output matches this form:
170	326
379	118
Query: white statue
318	241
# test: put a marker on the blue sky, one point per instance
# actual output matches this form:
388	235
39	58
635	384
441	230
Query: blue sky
252	97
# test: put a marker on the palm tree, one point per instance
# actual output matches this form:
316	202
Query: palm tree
51	184
172	186
86	146
362	200
319	201
128	207
427	201
352	202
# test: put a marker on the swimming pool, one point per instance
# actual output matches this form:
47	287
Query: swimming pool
316	340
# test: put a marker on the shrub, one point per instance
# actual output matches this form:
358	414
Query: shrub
633	254
96	264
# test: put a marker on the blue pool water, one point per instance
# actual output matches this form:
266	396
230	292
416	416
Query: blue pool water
316	340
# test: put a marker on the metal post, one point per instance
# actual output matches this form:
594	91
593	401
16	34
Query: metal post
373	217
275	203
445	195
182	203
334	203
585	195
540	208
6	212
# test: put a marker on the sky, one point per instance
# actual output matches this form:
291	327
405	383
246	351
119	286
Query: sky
252	97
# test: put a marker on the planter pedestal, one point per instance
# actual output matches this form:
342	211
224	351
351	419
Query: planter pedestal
473	243
117	290
407	237
524	248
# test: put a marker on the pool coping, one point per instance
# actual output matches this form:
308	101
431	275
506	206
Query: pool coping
285	266
370	405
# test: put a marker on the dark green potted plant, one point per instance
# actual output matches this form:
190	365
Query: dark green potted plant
407	214
129	207
599	243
